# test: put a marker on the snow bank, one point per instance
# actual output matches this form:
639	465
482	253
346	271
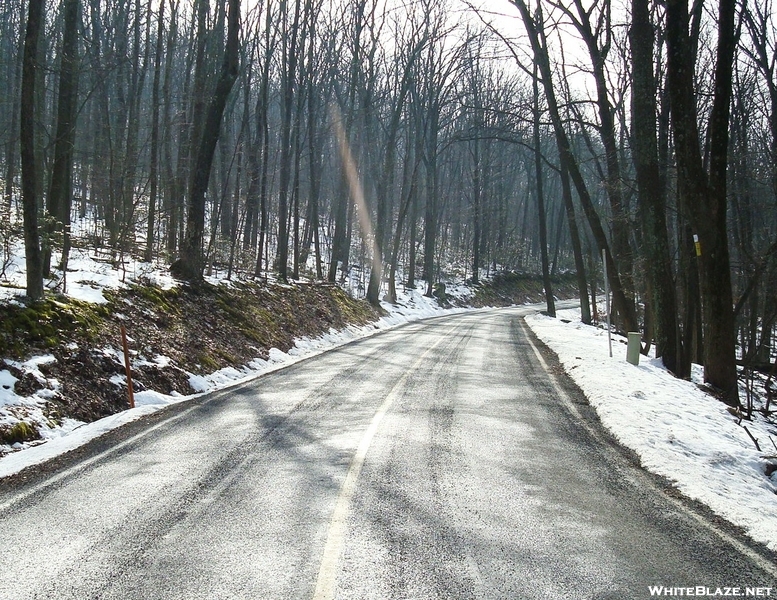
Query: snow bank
676	429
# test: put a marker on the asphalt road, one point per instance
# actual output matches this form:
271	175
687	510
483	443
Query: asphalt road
444	459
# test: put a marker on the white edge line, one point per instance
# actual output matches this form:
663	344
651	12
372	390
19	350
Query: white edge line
763	563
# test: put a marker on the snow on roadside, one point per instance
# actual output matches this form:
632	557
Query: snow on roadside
15	409
676	429
412	305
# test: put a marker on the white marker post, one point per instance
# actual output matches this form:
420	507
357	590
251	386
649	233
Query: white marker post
607	299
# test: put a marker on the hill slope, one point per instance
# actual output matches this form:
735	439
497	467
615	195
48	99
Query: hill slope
63	360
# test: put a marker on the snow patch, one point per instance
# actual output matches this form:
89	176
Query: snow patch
676	429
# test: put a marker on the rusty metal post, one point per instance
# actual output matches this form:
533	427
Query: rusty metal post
127	368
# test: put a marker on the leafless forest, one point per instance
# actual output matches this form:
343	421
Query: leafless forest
411	140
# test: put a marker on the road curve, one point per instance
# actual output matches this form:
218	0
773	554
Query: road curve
443	459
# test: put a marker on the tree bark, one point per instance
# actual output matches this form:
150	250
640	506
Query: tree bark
263	125
706	195
192	264
547	284
287	109
652	202
30	172
61	189
621	249
154	159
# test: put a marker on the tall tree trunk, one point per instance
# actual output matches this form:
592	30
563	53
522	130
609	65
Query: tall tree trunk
413	201
263	107
130	166
409	181
191	265
476	197
621	250
30	168
386	181
189	122
61	190
569	165
13	135
432	188
296	187
412	260
549	300
706	195
154	167
287	110
172	196
577	246
652	202
314	152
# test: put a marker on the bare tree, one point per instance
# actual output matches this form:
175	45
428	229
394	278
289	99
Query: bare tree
597	37
652	203
191	264
154	159
405	70
30	167
61	189
289	40
535	29
705	193
539	177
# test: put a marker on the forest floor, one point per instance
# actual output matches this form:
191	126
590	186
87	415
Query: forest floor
63	360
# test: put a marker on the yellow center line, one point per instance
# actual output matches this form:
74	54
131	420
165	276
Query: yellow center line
325	584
